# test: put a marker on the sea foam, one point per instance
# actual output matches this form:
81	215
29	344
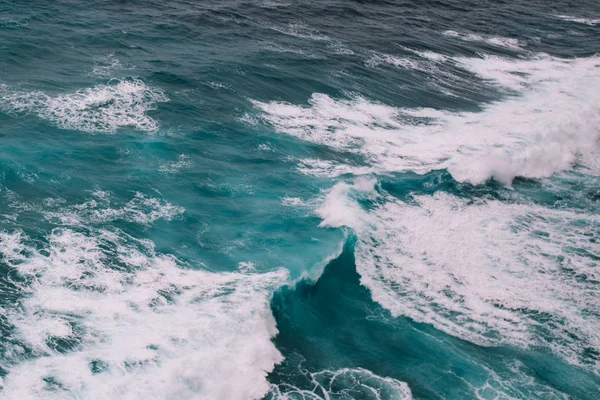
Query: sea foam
99	209
102	108
344	384
103	316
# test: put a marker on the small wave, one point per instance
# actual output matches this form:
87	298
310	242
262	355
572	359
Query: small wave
300	30
105	316
276	48
105	67
586	21
293	202
398	62
102	108
509	43
174	167
339	48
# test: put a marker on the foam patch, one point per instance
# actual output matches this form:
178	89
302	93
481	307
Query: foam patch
103	316
102	108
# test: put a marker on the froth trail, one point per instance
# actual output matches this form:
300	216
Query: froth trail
103	316
547	123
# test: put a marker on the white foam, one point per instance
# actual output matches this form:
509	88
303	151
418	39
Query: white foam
345	384
139	324
399	62
551	126
339	48
499	41
586	21
102	108
488	272
174	167
276	48
293	202
329	169
300	30
141	209
106	66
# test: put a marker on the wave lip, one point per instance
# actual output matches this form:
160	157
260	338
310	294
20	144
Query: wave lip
104	316
102	108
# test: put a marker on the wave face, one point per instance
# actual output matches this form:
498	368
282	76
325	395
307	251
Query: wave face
299	200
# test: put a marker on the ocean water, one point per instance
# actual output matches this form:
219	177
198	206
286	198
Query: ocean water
299	199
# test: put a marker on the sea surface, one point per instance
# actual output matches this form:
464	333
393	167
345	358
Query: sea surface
277	199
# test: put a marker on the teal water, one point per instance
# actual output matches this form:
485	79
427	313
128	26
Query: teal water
299	200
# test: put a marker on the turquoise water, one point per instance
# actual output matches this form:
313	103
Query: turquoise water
299	200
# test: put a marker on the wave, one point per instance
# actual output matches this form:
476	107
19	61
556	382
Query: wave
550	126
332	322
102	108
482	270
103	316
509	43
174	167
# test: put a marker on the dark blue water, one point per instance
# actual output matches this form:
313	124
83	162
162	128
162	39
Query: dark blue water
299	200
